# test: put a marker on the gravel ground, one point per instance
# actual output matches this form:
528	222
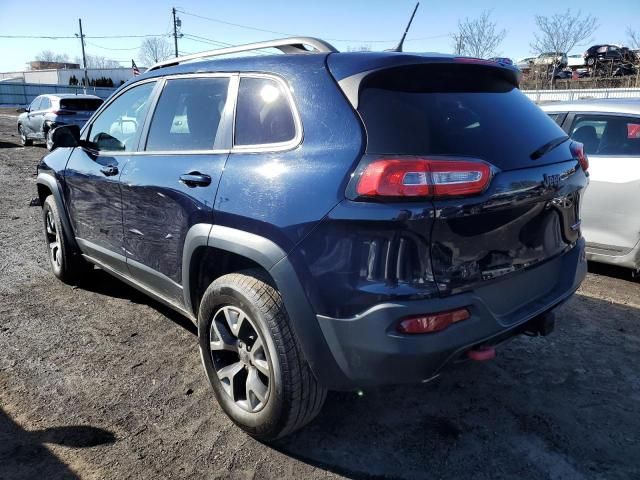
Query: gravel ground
101	382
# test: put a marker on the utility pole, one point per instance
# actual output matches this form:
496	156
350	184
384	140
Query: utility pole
84	57
176	23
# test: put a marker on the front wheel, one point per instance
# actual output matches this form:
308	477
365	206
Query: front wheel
24	140
65	264
257	371
591	61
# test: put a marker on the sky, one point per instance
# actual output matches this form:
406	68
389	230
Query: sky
344	23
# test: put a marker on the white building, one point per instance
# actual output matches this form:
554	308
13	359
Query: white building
62	76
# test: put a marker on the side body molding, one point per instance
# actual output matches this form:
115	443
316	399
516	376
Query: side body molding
49	181
274	260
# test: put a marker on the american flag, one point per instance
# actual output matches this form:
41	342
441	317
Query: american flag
136	70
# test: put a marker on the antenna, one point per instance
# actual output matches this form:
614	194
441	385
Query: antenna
404	35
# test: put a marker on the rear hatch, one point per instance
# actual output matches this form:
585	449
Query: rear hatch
465	110
78	110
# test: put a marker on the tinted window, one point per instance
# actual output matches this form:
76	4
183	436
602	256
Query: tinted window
452	110
188	114
556	117
117	128
607	134
263	113
45	104
35	105
80	104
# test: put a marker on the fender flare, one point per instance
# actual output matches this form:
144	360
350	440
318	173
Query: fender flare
49	181
273	259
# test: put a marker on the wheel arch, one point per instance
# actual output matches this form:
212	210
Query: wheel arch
48	185
244	250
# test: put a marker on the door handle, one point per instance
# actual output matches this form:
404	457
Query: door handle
195	179
109	170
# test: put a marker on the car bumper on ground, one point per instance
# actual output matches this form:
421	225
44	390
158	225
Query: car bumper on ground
370	352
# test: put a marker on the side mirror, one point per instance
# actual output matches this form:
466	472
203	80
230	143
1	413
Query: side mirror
22	109
65	136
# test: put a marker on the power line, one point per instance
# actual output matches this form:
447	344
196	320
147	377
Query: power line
109	48
353	40
57	37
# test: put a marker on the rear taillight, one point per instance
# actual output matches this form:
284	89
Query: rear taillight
423	177
433	322
577	150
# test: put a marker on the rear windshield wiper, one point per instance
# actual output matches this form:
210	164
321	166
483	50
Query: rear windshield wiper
547	147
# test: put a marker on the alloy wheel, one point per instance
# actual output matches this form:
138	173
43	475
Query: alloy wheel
53	240
240	358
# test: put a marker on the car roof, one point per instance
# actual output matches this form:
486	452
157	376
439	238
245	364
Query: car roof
604	105
71	95
341	64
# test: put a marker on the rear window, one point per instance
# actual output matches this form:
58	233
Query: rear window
461	110
80	104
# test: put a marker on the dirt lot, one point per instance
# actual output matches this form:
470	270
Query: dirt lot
101	382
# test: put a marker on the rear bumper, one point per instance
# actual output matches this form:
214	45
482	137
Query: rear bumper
370	352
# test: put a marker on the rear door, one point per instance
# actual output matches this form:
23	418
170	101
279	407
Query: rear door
92	187
529	212
170	184
33	115
610	207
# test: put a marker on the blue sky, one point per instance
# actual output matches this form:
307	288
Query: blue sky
351	23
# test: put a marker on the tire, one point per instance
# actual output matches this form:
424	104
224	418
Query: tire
24	140
66	264
591	61
245	338
47	139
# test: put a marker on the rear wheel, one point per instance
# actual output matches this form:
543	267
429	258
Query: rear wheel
47	139
65	265
258	374
24	140
591	61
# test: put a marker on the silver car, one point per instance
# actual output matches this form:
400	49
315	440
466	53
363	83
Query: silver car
610	133
47	112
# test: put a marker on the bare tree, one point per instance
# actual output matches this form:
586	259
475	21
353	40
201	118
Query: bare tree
98	61
561	32
478	37
154	49
634	37
49	56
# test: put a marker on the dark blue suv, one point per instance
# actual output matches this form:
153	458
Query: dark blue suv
328	220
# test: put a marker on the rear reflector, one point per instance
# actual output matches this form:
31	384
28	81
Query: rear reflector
577	150
423	177
433	322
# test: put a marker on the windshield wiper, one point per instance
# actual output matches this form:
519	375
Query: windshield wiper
547	147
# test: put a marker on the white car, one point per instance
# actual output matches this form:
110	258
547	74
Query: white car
610	132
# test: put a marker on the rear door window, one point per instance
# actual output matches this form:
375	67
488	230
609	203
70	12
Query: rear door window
607	134
458	110
188	115
264	114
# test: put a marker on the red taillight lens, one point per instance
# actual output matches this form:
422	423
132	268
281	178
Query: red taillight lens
63	112
433	322
423	177
577	150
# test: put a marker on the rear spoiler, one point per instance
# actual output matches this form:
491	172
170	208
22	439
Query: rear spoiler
350	79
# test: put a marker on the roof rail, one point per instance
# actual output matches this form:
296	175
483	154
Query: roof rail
285	45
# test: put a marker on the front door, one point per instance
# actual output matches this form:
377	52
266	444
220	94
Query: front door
611	218
33	117
93	172
170	185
